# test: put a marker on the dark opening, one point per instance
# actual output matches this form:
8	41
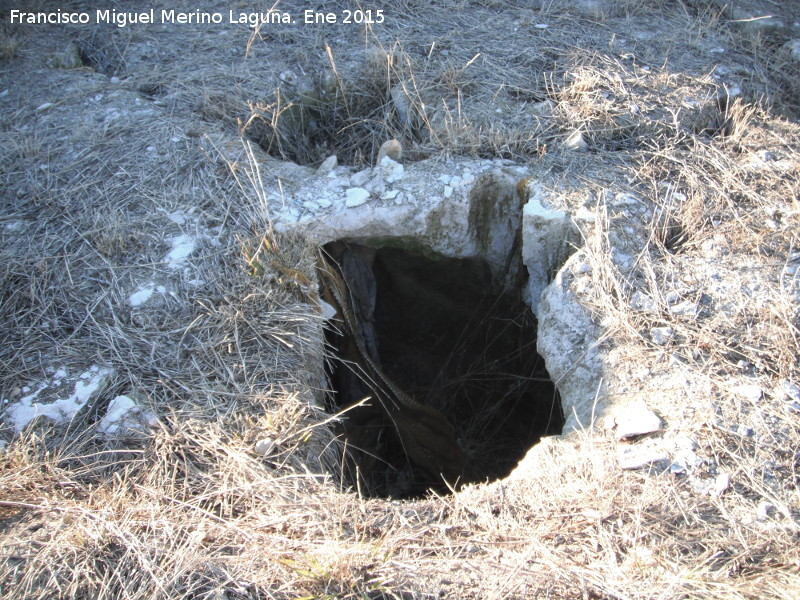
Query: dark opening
449	338
350	120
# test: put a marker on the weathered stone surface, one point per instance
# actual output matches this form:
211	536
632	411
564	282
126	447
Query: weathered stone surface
125	415
721	483
567	341
480	216
356	197
546	241
59	398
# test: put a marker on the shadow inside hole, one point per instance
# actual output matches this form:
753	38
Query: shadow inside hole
450	339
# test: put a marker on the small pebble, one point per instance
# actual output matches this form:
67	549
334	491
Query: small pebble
721	483
575	141
265	446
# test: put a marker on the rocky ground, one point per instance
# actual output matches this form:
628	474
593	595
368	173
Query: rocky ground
165	185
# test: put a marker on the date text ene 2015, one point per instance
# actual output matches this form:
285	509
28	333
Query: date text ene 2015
368	17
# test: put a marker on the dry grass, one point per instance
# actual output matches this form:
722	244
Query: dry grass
189	509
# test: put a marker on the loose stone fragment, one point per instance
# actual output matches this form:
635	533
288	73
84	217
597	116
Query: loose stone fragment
721	483
356	197
641	455
575	141
391	148
328	165
265	446
750	391
636	420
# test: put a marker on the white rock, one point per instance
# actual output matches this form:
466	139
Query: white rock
182	246
661	335
178	217
636	419
625	199
265	446
585	216
685	461
141	295
328	165
575	141
328	311
750	391
721	483
639	456
356	197
448	191
392	171
376	186
567	340
124	413
389	194
51	400
609	322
